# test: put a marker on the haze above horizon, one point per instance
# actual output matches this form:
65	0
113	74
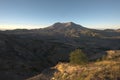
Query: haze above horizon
31	14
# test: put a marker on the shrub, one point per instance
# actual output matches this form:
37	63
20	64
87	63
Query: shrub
78	57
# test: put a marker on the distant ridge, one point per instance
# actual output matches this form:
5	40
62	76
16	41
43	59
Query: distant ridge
69	29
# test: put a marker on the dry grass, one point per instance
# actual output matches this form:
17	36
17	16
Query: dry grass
102	70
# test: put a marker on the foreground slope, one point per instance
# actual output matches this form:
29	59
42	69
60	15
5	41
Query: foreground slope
107	69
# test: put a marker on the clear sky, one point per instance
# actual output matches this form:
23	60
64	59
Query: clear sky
41	13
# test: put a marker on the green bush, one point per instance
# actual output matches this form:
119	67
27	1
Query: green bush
78	57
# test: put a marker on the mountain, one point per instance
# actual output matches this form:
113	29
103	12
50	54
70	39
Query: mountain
25	53
65	26
68	29
55	29
118	30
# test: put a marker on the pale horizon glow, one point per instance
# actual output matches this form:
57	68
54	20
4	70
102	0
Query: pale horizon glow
12	27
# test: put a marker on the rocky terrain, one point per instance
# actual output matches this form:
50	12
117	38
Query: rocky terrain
107	69
26	53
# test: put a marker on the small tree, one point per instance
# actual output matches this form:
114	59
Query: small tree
78	57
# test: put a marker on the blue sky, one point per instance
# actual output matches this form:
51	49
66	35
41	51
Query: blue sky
41	13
